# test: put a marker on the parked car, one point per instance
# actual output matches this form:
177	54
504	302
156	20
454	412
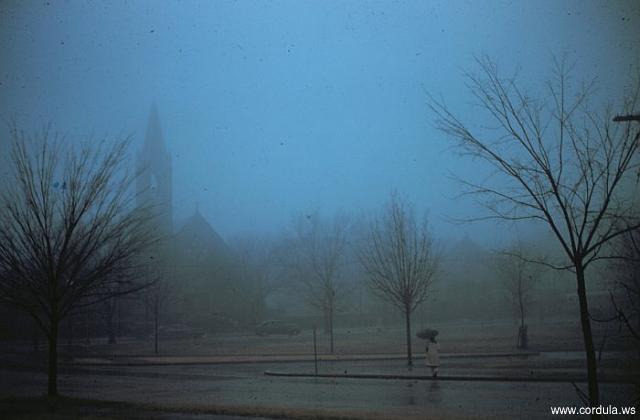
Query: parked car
277	327
179	331
222	323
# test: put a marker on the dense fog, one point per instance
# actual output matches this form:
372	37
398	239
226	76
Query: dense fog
193	178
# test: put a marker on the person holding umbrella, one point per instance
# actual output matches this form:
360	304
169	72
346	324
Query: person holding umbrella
433	359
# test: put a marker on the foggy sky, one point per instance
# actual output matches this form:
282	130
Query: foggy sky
274	107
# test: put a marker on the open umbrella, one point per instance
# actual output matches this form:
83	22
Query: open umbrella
427	333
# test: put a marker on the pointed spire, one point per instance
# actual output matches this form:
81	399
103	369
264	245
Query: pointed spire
154	141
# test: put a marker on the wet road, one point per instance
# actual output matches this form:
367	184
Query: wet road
245	385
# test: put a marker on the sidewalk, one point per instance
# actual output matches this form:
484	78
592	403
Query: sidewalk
492	367
286	358
503	367
468	375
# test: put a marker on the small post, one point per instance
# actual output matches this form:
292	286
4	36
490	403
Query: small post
315	351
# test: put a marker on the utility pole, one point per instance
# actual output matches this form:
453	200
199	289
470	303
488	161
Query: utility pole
625	118
629	118
315	351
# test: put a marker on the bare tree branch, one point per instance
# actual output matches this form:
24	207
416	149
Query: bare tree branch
557	161
316	256
400	260
68	228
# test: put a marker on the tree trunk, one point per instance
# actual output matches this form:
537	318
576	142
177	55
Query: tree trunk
70	332
146	321
523	338
52	389
87	340
407	318
110	324
592	370
156	326
331	326
118	311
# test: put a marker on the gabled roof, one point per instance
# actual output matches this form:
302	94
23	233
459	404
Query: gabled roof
466	248
198	233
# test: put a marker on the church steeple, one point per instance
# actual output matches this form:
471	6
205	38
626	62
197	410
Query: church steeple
153	140
154	184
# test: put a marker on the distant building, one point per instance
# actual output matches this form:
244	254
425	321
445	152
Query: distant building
155	188
155	175
196	261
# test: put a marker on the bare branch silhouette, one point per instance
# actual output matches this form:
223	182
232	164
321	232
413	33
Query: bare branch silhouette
400	260
316	256
69	231
556	161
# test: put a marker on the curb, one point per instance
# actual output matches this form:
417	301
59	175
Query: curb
444	378
288	359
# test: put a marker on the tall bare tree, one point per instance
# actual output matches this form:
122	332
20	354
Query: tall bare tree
156	297
557	161
514	267
400	260
68	230
316	255
110	307
625	296
257	268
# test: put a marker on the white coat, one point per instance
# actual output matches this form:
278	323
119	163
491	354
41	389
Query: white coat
433	359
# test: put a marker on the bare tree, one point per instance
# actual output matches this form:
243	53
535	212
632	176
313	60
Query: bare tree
625	296
316	255
400	260
68	230
258	271
556	161
110	311
156	298
518	280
